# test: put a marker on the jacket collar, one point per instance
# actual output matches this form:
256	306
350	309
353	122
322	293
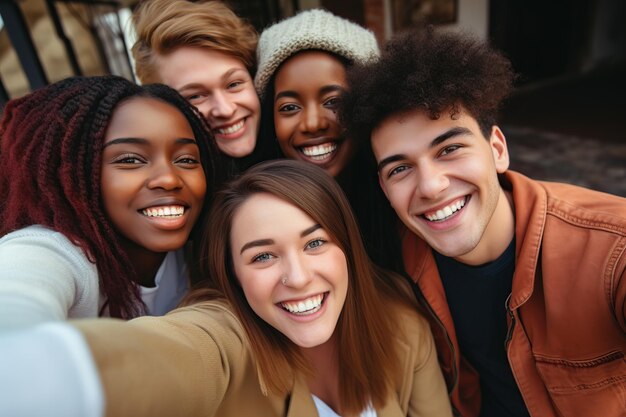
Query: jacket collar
530	202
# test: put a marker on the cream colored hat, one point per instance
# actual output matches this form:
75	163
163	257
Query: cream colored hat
311	29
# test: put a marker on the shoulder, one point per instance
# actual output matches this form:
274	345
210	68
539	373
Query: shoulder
45	239
413	329
575	205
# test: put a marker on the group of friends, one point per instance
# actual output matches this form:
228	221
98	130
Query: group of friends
300	226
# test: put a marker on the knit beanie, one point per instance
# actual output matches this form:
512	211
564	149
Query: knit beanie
311	29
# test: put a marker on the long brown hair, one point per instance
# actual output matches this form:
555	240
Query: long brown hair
365	331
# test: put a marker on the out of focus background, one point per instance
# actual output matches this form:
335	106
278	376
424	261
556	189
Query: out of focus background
565	122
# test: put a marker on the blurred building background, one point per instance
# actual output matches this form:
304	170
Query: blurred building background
565	121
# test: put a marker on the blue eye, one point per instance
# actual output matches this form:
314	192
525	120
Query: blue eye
316	243
263	257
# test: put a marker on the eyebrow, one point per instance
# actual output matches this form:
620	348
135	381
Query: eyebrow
449	134
142	141
324	90
264	242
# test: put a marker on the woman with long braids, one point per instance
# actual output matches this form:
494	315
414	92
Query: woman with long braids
102	183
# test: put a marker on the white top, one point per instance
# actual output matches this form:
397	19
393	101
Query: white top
323	410
44	277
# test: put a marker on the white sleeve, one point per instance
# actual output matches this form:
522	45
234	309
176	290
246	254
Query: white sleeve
48	370
44	277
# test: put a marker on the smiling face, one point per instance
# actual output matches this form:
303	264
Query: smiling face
270	240
440	176
221	87
152	182
307	91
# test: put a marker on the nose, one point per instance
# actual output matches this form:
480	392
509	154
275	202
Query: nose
432	180
221	106
297	271
164	175
314	119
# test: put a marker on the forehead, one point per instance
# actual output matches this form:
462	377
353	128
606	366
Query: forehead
264	215
307	67
196	65
145	117
415	130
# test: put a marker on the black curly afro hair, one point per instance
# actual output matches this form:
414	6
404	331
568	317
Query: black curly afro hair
435	71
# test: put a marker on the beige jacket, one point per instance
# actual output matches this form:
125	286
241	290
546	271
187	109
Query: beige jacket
196	362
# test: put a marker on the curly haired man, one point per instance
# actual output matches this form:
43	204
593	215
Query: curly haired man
525	280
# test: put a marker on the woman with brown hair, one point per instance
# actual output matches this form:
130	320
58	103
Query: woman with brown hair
302	323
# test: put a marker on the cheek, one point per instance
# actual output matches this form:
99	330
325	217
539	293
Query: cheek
252	101
111	192
197	184
284	130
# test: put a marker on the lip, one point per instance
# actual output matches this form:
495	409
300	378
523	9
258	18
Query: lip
235	135
450	221
165	202
327	158
308	317
164	223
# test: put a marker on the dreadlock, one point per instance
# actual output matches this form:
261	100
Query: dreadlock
51	144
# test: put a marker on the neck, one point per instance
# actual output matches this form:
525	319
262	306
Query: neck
145	262
324	382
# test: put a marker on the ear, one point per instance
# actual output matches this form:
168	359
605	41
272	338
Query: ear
497	142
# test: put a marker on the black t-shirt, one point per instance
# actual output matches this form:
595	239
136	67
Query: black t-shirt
476	297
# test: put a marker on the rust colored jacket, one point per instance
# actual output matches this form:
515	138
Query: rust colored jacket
566	339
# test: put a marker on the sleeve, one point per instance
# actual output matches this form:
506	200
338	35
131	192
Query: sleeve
47	370
180	364
42	277
429	395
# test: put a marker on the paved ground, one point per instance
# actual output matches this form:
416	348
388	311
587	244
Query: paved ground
571	130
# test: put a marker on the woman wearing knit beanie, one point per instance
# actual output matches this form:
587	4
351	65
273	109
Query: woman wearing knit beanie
301	75
302	62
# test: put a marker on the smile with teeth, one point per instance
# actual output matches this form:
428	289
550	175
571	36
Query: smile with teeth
445	212
304	307
231	129
319	152
164	211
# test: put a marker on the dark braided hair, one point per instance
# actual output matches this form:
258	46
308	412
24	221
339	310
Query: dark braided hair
51	144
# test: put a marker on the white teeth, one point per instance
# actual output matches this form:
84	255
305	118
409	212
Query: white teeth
231	129
164	211
447	211
308	306
319	152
